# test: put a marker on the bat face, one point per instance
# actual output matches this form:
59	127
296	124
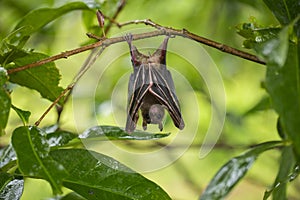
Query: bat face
151	89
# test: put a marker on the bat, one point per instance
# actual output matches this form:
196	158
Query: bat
151	89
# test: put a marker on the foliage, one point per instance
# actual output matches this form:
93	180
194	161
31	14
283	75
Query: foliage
58	156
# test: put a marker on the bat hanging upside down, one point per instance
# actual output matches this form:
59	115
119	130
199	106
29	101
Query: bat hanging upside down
151	89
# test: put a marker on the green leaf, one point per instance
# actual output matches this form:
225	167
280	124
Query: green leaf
96	176
8	53
283	85
37	19
282	80
283	177
60	138
10	188
284	10
3	76
116	133
44	79
32	150
233	171
23	114
7	157
275	49
7	48
270	43
4	178
255	34
51	128
5	101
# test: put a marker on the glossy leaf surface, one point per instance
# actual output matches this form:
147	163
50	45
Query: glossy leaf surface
116	133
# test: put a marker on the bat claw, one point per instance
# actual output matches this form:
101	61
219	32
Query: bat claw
128	37
160	126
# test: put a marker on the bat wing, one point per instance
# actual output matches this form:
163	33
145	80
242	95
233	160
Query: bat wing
164	90
139	85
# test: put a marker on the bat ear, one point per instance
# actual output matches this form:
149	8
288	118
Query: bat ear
162	50
135	56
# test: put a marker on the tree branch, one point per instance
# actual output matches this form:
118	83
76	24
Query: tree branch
105	42
185	33
161	31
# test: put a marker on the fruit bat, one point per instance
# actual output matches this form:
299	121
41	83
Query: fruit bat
151	89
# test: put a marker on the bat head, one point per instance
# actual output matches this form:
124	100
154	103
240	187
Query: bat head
153	115
156	114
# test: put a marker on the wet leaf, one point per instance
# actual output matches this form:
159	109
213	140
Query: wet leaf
96	176
7	156
255	34
8	53
60	138
3	76
233	171
275	50
10	188
116	133
270	43
32	151
281	54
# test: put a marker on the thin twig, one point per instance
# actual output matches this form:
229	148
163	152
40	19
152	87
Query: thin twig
65	54
105	42
161	31
66	92
53	104
83	69
112	20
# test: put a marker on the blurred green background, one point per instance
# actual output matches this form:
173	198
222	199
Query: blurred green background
100	94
